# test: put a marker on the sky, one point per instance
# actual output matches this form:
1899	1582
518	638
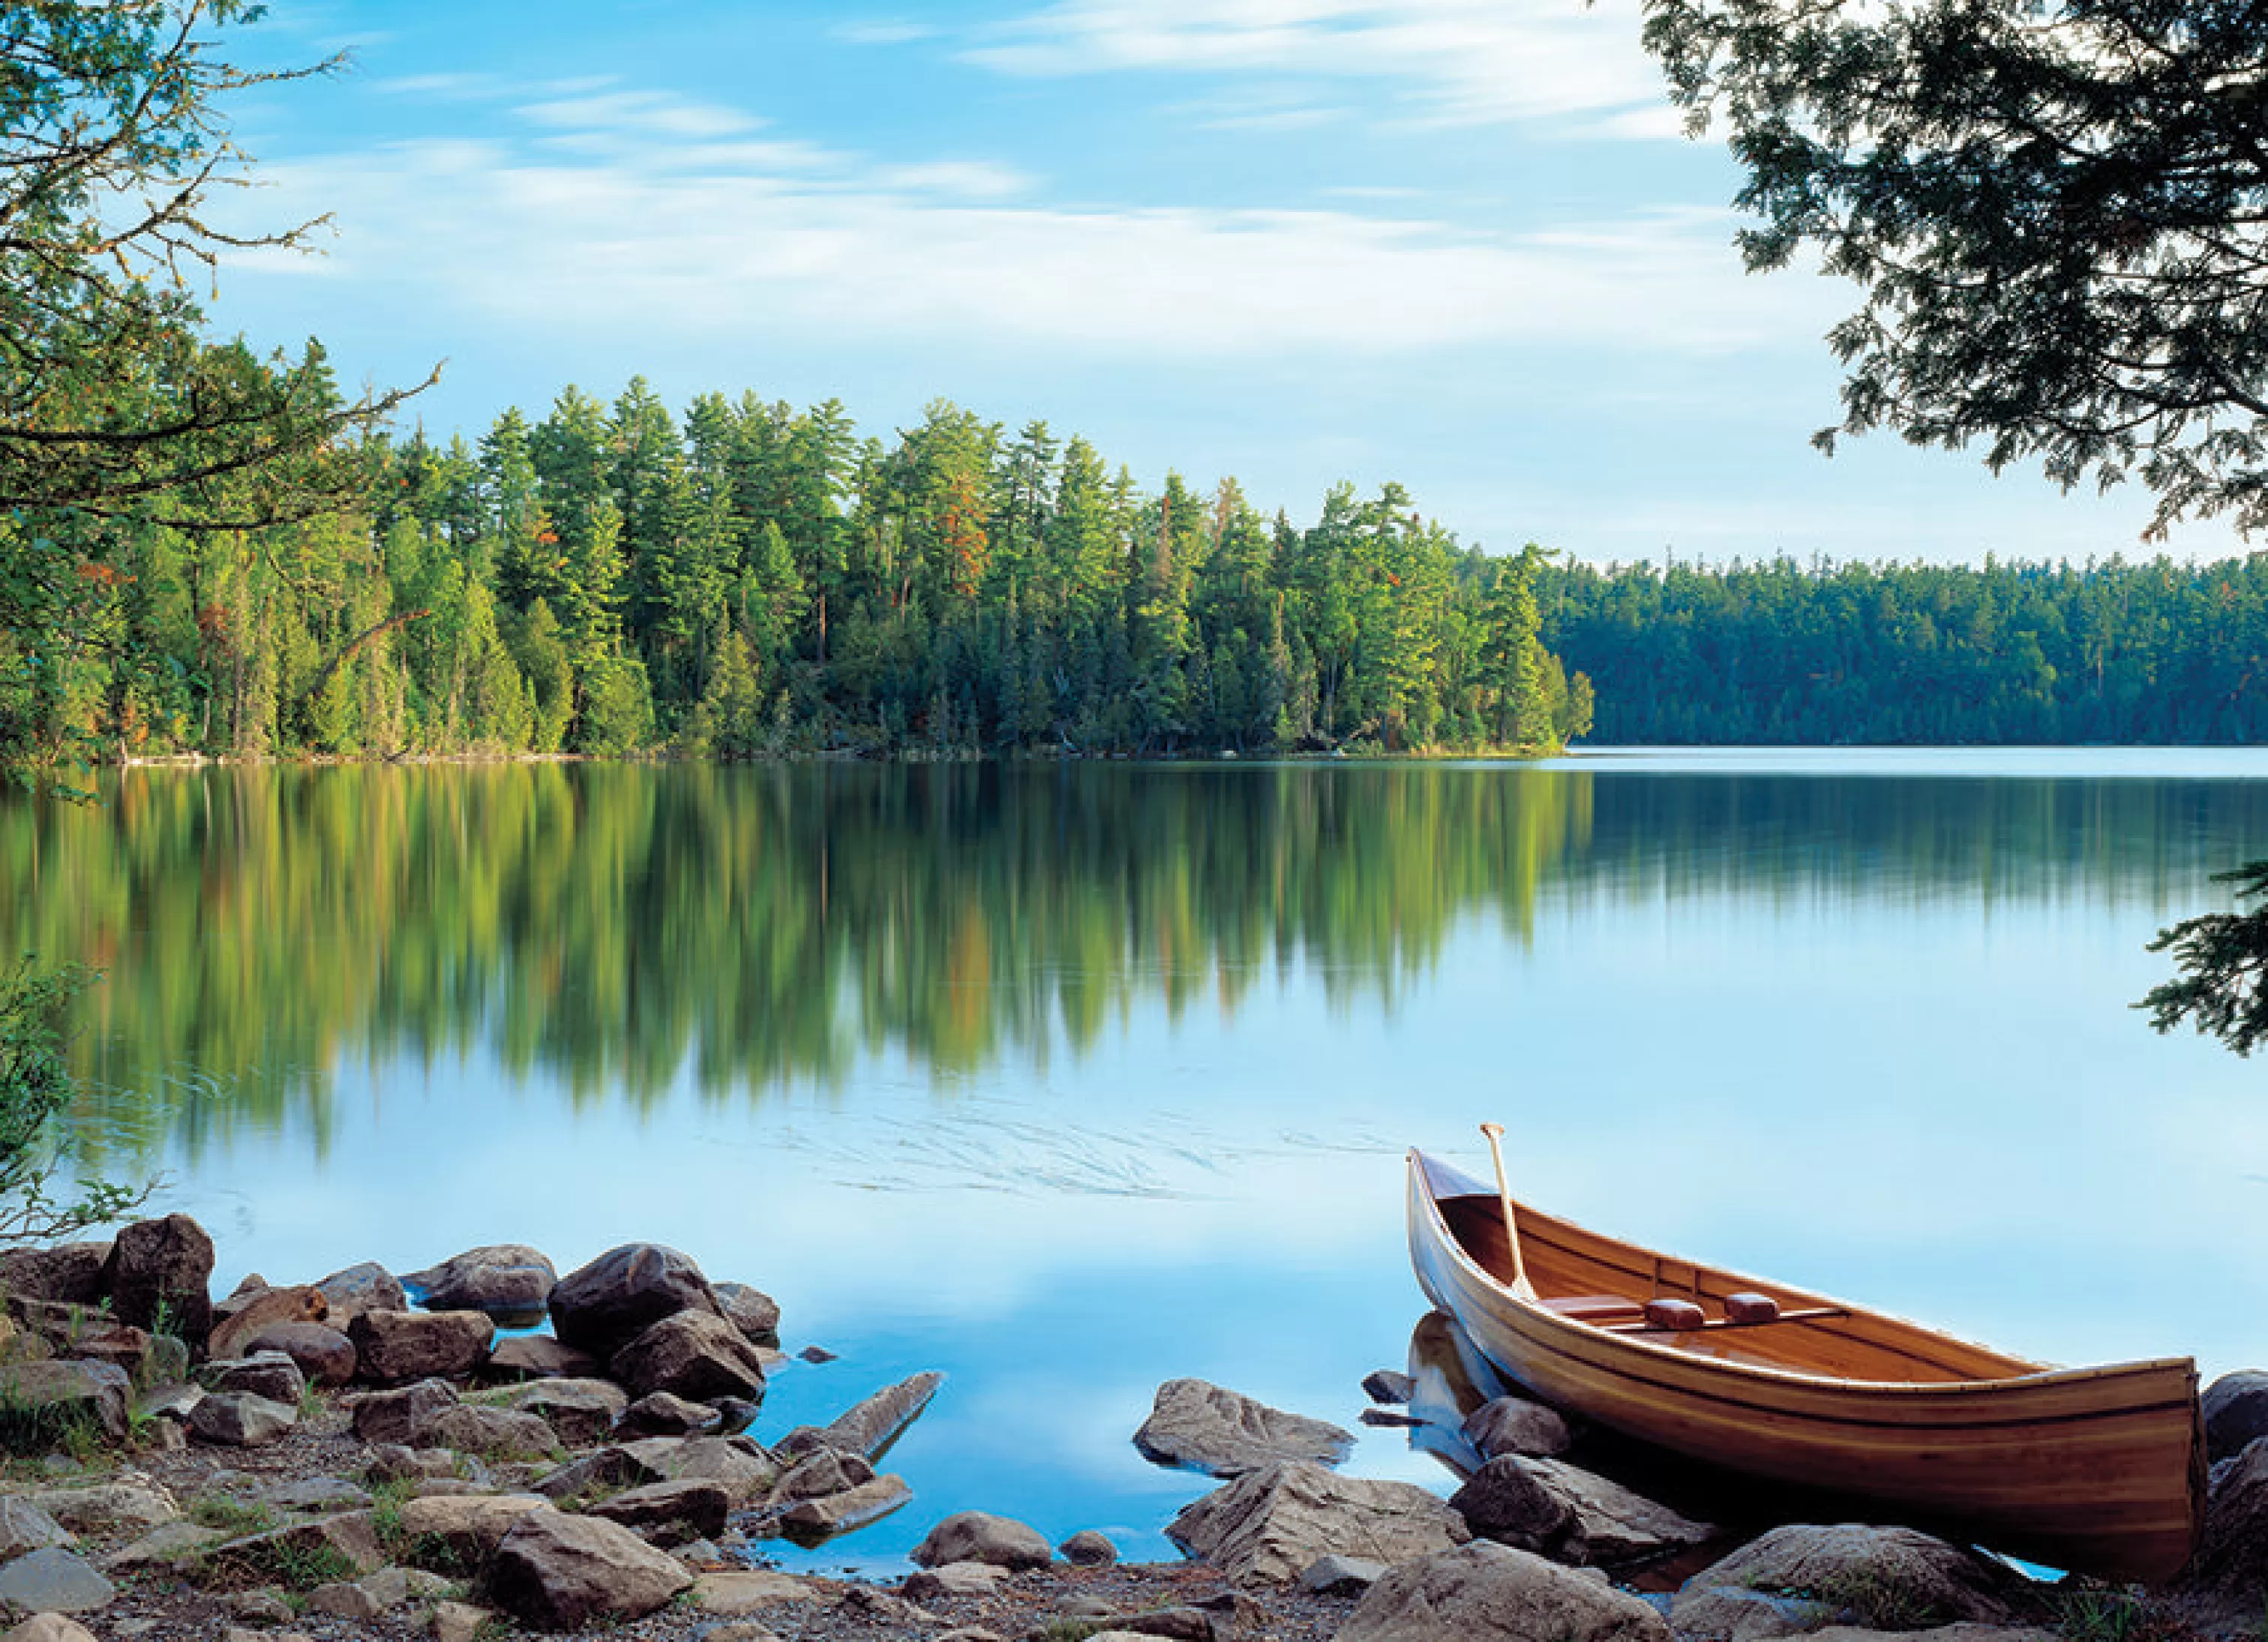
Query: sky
1463	246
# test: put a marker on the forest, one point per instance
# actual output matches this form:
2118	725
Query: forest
751	580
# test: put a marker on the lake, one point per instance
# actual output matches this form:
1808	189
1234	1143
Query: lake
1070	1080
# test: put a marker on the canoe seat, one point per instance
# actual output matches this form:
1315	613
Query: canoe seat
1599	1310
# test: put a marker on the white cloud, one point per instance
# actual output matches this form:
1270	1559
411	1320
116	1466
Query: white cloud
1459	61
652	113
968	180
884	32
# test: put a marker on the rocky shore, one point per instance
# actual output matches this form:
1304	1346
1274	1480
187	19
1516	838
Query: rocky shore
365	1457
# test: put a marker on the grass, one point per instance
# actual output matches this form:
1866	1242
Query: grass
229	1516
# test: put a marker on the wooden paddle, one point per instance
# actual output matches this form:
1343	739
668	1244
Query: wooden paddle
1522	1288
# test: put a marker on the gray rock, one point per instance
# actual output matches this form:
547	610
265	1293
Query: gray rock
602	1307
1088	1549
369	1286
53	1580
130	1500
391	1348
70	1272
1617	1526
460	1530
505	1279
25	1527
669	1514
392	1462
323	1354
1503	1501
1489	1590
615	1467
1736	1613
665	1414
1888	1578
555	1572
270	1375
872	1423
166	1547
317	1495
233	1333
339	1599
495	1432
980	1537
1512	1425
397	1416
740	1464
1270	1525
1386	1386
815	1476
2236	1409
460	1622
1203	1427
953	1579
752	1311
581	1412
692	1354
239	1420
809	1521
738	1592
42	1399
1340	1576
124	1347
2226	1580
157	1276
540	1357
348	1541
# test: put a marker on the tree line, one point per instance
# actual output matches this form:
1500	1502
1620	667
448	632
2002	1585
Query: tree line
749	579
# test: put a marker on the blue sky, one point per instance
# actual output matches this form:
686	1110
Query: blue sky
1457	244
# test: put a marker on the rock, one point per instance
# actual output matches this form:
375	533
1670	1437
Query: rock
979	1536
456	1532
1503	1501
540	1357
344	1546
394	1346
39	1400
130	1500
260	1607
734	1414
342	1600
323	1355
2236	1409
669	1513
271	1375
397	1416
1393	1419
604	1306
1088	1549
2227	1580
317	1494
808	1521
232	1335
240	1419
741	1464
737	1593
156	1276
1388	1387
816	1354
1340	1576
869	1426
1890	1578
1270	1525
555	1572
53	1580
48	1628
457	1622
744	1630
369	1286
1488	1590
505	1279
579	1412
165	1548
25	1527
1206	1428
868	1606
492	1432
752	1311
1617	1526
815	1476
124	1347
1512	1425
614	1467
1728	1613
953	1579
665	1414
692	1354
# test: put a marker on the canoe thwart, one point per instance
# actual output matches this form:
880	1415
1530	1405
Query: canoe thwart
1646	1325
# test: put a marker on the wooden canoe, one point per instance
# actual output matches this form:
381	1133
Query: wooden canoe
2100	1470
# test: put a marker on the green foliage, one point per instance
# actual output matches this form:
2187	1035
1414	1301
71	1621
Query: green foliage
225	1513
35	1096
2222	958
2053	210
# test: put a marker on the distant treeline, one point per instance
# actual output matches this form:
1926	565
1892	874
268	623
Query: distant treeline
751	580
2113	651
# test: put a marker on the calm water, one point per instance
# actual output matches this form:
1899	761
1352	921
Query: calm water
1071	1080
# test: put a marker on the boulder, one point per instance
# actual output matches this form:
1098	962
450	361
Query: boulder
459	1622
271	1375
459	1530
692	1354
738	1592
665	1414
555	1572
130	1500
317	1495
38	1400
53	1580
618	1466
124	1347
162	1549
2226	1580
669	1514
232	1335
496	1432
398	1415
323	1355
48	1628
540	1357
1270	1525
344	1545
580	1411
505	1279
1512	1425
1618	1524
25	1527
1088	1549
741	1464
825	1472
1489	1590
953	1578
156	1276
808	1521
1205	1428
752	1311
869	1426
2236	1409
978	1536
241	1419
1388	1388
1340	1576
394	1346
369	1286
1894	1579
604	1306
1505	1502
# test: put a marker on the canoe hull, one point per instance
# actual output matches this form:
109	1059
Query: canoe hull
2096	1470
